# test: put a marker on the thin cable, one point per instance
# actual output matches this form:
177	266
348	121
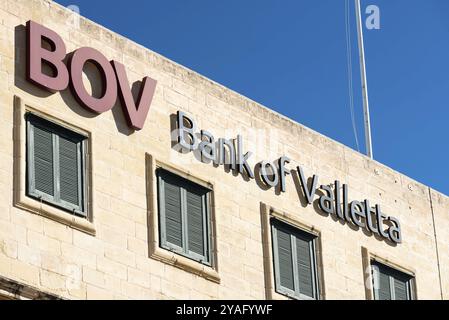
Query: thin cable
349	71
436	242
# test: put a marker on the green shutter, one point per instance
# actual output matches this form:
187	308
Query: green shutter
184	218
393	284
400	289
173	217
43	160
69	171
305	275
195	224
384	291
55	165
284	249
294	262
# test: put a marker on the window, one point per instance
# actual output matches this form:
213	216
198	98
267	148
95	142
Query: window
390	284
55	165
184	217
13	290
294	262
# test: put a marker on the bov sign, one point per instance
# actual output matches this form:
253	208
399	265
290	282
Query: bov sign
333	201
114	79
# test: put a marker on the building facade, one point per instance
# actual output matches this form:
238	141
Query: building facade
205	195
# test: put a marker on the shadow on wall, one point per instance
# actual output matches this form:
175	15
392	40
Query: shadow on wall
93	82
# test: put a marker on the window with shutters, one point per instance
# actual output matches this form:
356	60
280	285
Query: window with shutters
55	165
294	257
391	284
184	217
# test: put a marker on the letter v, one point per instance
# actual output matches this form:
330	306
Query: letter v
308	193
135	115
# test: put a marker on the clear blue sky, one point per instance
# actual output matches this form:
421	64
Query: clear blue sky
290	56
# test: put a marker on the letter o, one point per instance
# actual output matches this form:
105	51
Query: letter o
265	174
79	59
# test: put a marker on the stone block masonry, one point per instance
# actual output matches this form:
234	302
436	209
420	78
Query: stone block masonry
108	255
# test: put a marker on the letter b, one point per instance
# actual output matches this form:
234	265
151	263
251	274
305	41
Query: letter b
191	142
36	55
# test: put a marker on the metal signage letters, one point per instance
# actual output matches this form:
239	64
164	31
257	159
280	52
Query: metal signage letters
114	80
333	200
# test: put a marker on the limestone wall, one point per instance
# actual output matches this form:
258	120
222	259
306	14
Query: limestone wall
114	262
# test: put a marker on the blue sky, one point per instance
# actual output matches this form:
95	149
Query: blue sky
290	56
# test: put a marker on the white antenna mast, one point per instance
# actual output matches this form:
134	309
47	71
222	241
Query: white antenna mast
368	142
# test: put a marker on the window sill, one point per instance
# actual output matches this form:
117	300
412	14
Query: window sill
184	263
58	215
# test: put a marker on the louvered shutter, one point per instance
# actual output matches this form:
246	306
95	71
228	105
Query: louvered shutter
55	165
68	171
43	160
173	211
195	224
384	290
305	275
400	289
184	217
284	249
393	284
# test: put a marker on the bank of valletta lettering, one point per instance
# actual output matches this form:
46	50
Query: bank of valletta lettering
333	201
